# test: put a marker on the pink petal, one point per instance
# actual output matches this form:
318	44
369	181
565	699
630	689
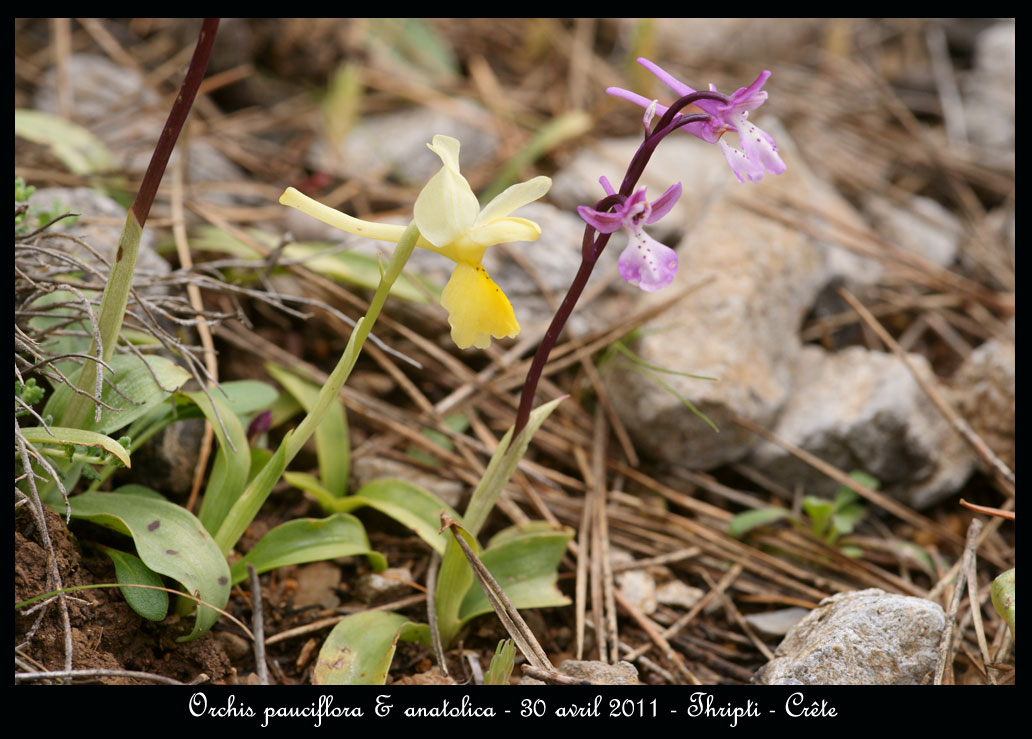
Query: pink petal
647	263
605	223
662	205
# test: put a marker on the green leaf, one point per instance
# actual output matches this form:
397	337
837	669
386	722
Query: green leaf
327	500
455	575
332	443
308	540
251	500
343	100
359	649
454	579
75	146
170	541
409	505
1003	598
745	522
501	468
457	422
130	569
845	519
232	461
819	511
245	397
501	663
77	437
135	379
525	564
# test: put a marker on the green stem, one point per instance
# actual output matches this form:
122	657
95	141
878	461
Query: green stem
249	503
116	292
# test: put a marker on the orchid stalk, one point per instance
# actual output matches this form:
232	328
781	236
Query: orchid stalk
644	263
116	291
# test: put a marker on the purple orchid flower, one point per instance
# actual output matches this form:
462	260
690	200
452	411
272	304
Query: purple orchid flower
644	262
759	153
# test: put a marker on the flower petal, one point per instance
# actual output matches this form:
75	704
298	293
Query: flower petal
446	207
759	147
504	230
741	165
668	79
514	197
647	263
662	205
605	223
326	214
477	308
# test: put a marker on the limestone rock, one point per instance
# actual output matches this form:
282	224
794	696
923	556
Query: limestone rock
990	99
984	387
923	227
396	142
116	104
376	587
867	637
863	410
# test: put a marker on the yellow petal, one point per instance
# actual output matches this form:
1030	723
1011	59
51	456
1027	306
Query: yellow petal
513	197
504	230
477	308
326	214
446	207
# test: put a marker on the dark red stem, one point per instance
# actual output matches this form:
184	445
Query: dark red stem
176	119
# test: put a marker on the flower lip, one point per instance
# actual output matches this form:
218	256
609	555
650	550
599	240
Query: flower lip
644	262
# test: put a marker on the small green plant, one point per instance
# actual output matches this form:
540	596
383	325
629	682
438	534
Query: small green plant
501	663
28	218
826	520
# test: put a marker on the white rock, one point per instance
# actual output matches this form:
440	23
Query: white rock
990	99
863	410
397	141
678	594
984	387
115	103
376	587
639	588
776	623
867	637
923	227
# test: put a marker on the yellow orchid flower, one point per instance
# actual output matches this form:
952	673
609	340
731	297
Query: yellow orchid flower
451	222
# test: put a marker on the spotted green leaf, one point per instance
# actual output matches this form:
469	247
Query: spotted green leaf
170	540
359	649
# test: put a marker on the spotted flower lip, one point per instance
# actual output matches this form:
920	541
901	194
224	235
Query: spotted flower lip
452	223
644	262
758	155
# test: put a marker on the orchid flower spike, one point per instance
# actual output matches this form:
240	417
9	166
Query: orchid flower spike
759	153
644	262
451	222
